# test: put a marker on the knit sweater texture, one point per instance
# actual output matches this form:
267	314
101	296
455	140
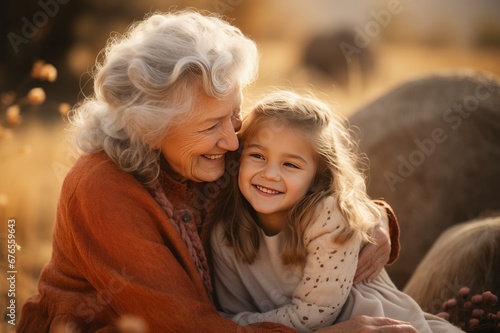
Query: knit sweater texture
116	253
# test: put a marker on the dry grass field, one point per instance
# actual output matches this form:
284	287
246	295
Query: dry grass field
34	158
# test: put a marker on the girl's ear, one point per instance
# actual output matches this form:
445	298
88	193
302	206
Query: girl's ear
315	186
321	181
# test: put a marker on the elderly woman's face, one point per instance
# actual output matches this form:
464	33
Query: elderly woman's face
195	149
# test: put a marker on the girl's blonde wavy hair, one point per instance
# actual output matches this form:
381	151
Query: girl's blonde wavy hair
338	174
148	79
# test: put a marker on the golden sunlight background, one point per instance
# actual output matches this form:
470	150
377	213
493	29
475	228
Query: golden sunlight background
347	52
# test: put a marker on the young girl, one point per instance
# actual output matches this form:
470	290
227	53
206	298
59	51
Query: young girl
287	249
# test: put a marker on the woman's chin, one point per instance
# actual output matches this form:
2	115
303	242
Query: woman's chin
212	170
211	176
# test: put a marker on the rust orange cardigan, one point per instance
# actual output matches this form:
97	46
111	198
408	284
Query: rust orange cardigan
116	253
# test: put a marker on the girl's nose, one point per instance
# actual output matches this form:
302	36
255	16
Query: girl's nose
271	172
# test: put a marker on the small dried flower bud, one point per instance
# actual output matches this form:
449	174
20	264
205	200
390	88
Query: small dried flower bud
37	68
14	115
473	322
467	305
132	324
64	108
464	292
7	98
25	150
489	298
48	72
4	200
449	304
476	299
68	327
444	315
477	313
6	134
36	96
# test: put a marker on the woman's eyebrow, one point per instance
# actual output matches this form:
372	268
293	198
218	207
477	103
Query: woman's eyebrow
219	118
213	119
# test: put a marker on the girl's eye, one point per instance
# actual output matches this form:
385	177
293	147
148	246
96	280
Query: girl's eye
291	165
256	155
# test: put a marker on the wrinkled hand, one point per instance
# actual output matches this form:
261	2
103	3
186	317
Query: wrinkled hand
364	324
374	256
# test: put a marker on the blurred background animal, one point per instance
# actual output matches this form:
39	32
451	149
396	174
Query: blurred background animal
466	254
434	150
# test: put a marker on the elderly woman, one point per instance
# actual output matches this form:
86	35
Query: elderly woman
152	141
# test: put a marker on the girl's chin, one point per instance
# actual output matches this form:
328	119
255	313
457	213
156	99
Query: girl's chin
263	210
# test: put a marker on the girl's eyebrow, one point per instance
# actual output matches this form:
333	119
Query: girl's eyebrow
255	145
295	156
288	155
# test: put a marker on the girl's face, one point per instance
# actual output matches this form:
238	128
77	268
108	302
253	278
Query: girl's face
195	148
276	171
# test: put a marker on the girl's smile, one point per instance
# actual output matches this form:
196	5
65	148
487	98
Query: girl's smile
266	190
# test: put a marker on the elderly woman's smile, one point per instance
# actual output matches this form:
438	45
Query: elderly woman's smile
195	150
214	157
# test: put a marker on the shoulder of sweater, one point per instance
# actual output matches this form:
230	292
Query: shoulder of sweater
326	219
217	233
97	172
328	206
217	237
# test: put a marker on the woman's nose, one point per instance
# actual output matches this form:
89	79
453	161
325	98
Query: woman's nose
229	140
236	120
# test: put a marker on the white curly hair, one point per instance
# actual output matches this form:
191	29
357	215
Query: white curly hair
148	78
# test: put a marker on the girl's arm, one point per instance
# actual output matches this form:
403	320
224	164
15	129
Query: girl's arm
327	277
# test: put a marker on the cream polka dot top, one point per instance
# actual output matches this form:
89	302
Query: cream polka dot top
302	297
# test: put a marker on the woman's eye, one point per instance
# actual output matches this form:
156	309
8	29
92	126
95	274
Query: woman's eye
212	127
